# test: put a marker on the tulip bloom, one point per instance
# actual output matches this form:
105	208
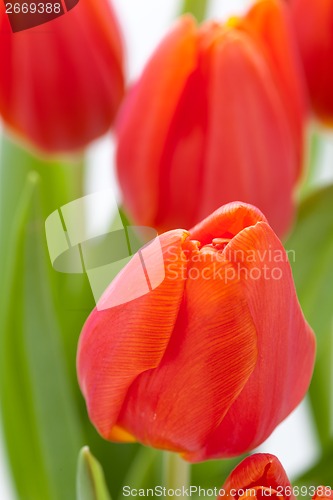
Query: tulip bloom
261	476
313	24
217	115
258	476
213	359
62	82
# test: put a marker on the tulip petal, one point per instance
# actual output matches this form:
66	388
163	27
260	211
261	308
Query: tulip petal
313	26
210	357
259	470
244	129
157	92
226	222
285	341
118	344
268	23
182	161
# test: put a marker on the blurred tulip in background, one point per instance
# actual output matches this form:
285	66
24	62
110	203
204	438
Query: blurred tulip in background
211	361
218	115
313	24
62	82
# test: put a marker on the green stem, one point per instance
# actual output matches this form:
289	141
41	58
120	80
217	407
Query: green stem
313	166
176	474
320	391
61	181
36	391
196	7
63	302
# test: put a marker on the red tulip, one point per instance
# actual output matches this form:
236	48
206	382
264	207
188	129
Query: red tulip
258	476
323	492
217	115
213	359
268	22
62	82
262	476
313	24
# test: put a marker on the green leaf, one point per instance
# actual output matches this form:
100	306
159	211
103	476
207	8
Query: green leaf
42	311
196	7
61	181
313	165
145	470
90	478
41	422
311	253
63	178
213	473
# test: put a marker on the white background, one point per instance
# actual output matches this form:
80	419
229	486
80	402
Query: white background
144	22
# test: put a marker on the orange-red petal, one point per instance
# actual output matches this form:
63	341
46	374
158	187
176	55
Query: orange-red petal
146	117
286	344
250	154
268	24
313	25
210	357
226	222
118	344
261	470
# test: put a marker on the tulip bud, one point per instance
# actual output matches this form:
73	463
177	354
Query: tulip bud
262	476
313	25
323	492
217	115
62	82
258	476
212	360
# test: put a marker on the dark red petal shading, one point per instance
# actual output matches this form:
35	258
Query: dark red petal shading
250	154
